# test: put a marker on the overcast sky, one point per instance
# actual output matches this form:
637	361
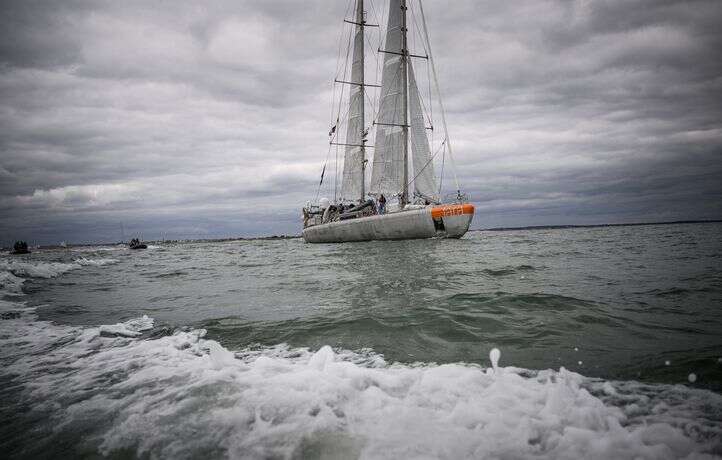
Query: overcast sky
208	119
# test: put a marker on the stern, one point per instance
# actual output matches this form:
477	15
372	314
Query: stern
453	219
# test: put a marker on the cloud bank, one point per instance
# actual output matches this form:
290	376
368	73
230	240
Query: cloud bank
207	120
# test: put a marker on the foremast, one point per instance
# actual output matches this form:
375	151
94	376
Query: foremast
354	175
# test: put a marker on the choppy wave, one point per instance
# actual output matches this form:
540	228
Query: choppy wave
130	328
145	396
115	247
36	269
506	271
10	283
45	269
139	389
95	262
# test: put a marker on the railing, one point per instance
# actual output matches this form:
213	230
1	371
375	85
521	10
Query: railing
457	197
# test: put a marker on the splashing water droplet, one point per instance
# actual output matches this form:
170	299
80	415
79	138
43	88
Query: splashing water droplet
692	377
576	349
667	363
494	356
580	363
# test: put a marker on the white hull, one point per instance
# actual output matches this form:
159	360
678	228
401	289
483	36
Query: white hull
451	222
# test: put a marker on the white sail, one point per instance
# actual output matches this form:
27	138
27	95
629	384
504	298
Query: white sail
388	165
424	179
399	122
352	184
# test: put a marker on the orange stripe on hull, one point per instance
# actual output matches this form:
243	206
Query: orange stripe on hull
452	210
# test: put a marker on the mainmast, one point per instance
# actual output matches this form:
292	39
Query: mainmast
391	158
405	86
360	22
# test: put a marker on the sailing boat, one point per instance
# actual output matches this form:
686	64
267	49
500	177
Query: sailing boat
360	214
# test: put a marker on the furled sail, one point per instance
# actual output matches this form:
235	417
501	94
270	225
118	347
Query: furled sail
424	179
352	184
388	166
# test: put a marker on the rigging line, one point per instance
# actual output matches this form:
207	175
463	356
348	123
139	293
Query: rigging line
443	161
333	94
366	38
376	16
381	34
414	37
427	164
438	93
376	58
345	61
423	45
337	130
375	54
335	177
339	119
383	96
431	102
340	99
418	29
338	64
421	100
339	123
342	35
371	101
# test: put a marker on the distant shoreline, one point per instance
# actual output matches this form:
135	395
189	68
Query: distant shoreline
633	224
189	240
291	237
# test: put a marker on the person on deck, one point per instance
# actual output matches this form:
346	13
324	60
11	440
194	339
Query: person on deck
382	204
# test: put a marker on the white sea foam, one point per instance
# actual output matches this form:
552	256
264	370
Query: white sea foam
115	247
10	283
45	269
36	269
147	396
130	328
183	395
95	262
20	333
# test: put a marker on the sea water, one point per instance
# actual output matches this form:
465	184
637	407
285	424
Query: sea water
567	343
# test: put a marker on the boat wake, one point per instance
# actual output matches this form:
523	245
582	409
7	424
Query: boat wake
141	389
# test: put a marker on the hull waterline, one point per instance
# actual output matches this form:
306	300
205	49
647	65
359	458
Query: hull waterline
450	221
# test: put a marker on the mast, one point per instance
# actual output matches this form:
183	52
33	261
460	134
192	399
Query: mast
354	182
405	86
360	22
390	164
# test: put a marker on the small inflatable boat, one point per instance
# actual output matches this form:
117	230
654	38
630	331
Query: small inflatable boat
20	247
136	244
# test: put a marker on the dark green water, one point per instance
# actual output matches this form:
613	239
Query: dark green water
615	305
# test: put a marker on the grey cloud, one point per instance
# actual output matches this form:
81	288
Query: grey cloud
191	115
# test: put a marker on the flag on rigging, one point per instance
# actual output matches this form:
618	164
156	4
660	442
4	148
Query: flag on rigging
322	173
333	130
